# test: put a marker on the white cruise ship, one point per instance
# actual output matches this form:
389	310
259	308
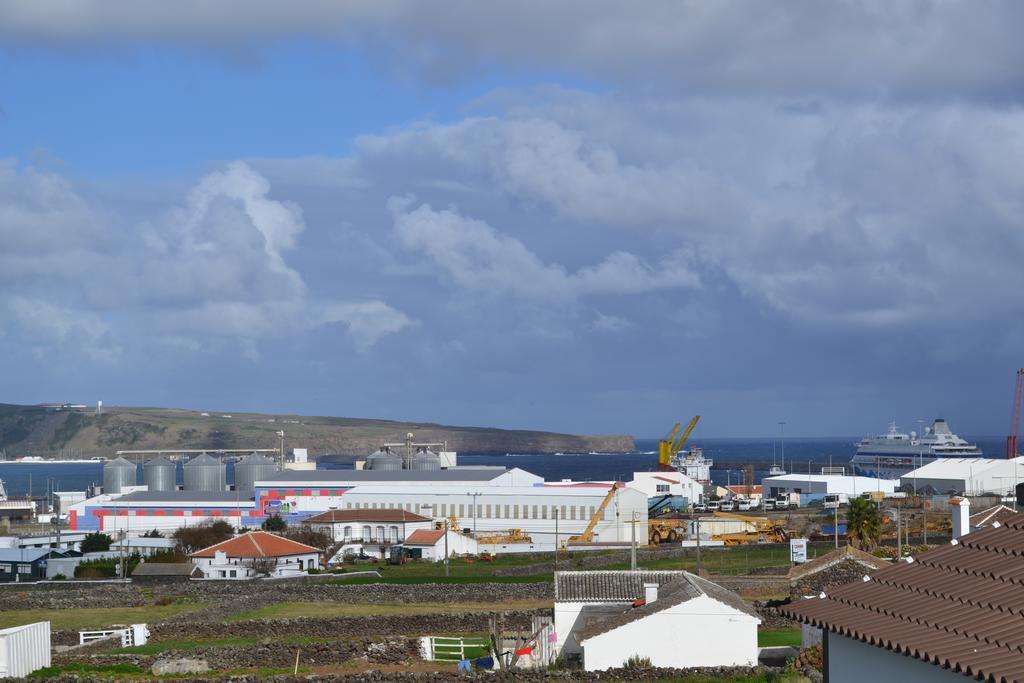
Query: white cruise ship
893	454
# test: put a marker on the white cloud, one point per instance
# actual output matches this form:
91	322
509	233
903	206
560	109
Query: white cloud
52	328
367	321
477	257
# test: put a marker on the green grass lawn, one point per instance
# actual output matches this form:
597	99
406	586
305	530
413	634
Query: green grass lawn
157	647
96	618
777	637
292	610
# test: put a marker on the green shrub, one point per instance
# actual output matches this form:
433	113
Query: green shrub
637	662
312	570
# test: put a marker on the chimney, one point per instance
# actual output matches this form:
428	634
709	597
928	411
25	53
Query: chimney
650	592
961	516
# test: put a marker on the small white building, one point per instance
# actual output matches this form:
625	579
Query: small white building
431	544
674	618
674	484
24	649
967	476
256	554
814	487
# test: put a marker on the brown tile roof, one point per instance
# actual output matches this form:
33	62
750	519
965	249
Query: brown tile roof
683	588
365	515
258	544
960	606
997	513
841	554
424	537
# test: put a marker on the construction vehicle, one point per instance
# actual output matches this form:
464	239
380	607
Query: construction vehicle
1011	440
670	446
504	537
665	530
763	530
588	534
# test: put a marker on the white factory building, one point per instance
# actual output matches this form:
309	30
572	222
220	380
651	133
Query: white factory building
968	476
814	487
481	499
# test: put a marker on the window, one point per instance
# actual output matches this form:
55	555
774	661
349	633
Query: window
506	512
380	534
543	512
394	534
348	506
348	534
462	510
593	511
488	511
222	573
444	509
561	513
367	534
515	511
234	573
661	488
5	568
24	569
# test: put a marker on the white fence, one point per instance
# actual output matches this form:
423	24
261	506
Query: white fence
136	634
24	649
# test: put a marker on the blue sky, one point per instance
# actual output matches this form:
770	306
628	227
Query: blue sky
575	216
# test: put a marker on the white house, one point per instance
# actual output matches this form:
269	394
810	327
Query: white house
431	545
256	554
674	618
381	526
948	614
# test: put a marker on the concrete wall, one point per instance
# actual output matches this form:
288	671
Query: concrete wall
698	632
851	661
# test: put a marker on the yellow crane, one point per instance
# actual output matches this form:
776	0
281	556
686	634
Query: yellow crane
588	534
764	530
670	446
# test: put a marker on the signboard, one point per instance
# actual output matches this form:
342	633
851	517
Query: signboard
798	550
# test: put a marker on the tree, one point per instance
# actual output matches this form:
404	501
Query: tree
155	533
317	539
275	523
863	525
192	538
96	542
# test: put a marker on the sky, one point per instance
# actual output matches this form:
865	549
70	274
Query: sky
581	216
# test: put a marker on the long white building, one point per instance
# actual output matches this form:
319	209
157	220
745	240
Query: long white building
968	476
485	499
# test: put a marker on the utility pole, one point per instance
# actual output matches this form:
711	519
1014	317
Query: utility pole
446	546
280	434
556	538
835	525
632	545
698	545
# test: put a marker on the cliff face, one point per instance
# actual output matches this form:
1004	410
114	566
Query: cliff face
31	430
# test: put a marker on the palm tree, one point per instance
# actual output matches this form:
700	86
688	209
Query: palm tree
863	525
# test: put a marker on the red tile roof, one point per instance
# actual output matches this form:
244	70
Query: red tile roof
424	537
365	515
258	544
959	606
998	513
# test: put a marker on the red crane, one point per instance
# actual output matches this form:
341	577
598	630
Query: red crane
1011	440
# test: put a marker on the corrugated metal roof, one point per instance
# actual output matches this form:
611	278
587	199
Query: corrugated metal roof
608	586
180	497
321	476
26	554
960	606
959	468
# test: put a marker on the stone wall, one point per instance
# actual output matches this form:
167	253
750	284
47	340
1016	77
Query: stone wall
248	594
838	574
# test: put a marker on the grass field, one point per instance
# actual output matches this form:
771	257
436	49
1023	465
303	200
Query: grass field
291	610
93	617
777	637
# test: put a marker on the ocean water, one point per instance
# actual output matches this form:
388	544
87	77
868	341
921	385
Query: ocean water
730	457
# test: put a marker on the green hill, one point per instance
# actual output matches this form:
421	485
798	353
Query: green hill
43	431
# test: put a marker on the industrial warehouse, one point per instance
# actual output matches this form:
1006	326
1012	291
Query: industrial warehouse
507	510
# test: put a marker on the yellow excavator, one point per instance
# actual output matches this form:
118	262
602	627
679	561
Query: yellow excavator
670	446
588	534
